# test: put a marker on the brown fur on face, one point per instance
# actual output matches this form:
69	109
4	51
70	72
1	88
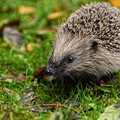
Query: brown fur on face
91	36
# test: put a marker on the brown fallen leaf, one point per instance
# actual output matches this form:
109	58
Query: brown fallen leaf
39	71
30	47
10	77
115	3
21	77
55	15
25	10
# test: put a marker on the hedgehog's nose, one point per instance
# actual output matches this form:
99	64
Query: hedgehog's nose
48	71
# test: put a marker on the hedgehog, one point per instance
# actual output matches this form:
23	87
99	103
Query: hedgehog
87	44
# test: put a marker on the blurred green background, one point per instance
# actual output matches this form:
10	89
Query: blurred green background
38	20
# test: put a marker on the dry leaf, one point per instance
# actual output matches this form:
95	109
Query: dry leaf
25	10
55	15
115	3
111	113
29	47
10	77
39	71
21	77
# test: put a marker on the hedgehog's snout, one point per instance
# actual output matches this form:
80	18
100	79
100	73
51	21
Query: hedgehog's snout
49	71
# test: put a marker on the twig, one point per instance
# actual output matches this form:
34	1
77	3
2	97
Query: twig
57	105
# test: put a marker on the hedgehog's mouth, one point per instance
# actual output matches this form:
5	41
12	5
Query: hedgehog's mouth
49	78
53	73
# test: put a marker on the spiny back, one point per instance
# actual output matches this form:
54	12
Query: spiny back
99	19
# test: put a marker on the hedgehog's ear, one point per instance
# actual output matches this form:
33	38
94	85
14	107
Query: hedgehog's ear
94	45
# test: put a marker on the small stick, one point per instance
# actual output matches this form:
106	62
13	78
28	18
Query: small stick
49	105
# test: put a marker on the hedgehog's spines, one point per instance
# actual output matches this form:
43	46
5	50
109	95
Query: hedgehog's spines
100	19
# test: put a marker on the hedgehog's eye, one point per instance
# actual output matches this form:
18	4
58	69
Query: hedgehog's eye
70	59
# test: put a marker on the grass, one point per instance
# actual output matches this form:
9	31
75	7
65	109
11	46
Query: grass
12	60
